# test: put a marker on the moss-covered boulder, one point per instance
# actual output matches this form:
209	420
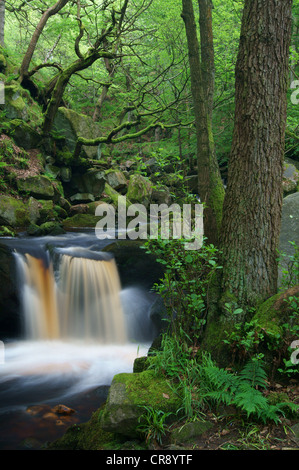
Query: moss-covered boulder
24	135
275	312
117	180
80	221
90	182
38	186
72	125
86	436
129	394
139	190
13	212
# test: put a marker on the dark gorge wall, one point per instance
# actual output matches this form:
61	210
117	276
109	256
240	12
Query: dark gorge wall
10	321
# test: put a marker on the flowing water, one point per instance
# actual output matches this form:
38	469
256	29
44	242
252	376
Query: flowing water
80	328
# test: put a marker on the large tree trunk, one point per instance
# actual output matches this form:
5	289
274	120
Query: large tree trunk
210	186
253	201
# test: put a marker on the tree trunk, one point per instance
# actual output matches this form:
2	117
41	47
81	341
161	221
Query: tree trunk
2	21
38	31
210	186
207	51
253	201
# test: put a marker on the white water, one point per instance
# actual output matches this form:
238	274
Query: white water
54	364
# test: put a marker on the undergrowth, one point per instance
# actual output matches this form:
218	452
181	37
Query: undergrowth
202	385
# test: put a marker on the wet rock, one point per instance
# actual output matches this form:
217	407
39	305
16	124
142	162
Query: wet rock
63	410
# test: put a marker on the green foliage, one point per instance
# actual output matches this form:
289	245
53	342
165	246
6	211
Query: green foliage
185	284
201	384
153	424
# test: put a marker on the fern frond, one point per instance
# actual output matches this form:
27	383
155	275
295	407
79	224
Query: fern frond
254	373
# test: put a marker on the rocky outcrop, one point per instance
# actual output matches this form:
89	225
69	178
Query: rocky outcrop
139	190
129	394
13	212
38	186
72	125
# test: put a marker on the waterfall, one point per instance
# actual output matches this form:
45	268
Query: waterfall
80	298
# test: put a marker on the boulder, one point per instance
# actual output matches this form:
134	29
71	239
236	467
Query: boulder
92	182
13	212
139	190
24	135
80	221
10	323
128	395
80	198
161	195
117	180
15	105
290	178
38	186
72	125
289	227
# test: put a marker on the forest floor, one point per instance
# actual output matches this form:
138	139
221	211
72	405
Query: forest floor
231	432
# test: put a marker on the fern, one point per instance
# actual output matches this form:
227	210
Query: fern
243	390
254	373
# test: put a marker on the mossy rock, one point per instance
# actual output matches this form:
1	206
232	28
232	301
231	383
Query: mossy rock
23	134
72	125
13	212
139	190
85	436
275	311
129	394
38	186
80	221
190	432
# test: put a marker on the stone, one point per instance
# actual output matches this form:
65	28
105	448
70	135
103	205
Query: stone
10	324
295	433
80	221
72	125
139	190
13	212
289	228
290	178
93	182
79	198
128	394
34	210
65	174
117	180
190	431
52	170
161	195
24	135
38	186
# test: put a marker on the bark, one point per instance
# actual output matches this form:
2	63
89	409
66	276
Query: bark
2	21
253	201
207	51
61	83
210	186
38	31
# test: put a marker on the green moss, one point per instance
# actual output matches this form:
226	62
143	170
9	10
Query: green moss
147	389
86	436
269	318
81	220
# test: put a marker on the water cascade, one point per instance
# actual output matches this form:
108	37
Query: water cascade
81	299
